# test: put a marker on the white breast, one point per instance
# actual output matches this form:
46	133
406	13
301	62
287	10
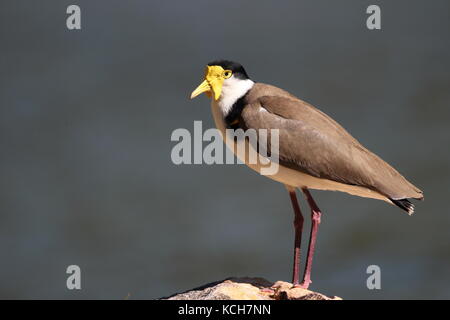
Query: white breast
232	90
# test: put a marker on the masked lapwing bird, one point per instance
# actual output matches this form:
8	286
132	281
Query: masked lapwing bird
314	151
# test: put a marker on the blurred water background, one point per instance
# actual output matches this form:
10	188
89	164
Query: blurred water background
85	124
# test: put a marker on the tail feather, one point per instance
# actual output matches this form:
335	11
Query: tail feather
404	204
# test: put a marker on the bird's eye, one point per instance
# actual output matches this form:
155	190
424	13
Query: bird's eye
227	74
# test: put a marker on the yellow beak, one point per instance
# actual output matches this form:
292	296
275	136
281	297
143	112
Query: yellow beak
212	84
203	87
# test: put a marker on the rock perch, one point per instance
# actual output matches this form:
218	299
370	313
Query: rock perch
249	289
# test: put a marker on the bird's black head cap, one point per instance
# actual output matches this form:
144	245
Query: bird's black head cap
238	70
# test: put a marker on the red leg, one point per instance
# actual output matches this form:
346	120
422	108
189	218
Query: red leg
315	221
298	227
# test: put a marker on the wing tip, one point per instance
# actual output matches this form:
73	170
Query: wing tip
404	204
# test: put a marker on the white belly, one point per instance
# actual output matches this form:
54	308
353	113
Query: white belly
288	176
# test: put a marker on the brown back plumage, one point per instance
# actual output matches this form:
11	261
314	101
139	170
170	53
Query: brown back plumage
315	144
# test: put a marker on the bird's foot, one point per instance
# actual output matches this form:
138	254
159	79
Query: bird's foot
304	285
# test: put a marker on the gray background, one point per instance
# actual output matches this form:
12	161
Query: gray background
85	124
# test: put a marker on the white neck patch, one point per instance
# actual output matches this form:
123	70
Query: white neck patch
232	90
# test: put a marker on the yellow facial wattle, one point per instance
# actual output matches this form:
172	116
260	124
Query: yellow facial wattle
214	77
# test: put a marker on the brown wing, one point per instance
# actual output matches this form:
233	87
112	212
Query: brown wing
315	144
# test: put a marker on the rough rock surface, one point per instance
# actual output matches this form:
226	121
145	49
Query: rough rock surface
249	289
